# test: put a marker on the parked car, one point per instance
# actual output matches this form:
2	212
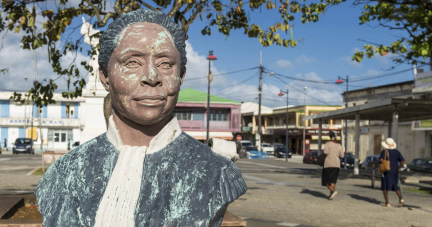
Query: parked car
310	157
265	147
75	144
248	149
372	158
22	145
350	160
280	151
245	143
421	165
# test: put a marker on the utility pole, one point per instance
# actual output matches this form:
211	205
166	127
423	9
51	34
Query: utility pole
259	102
25	109
304	122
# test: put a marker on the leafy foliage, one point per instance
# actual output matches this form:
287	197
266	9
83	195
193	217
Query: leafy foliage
226	16
413	17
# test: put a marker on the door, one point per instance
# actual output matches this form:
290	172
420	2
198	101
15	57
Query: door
377	144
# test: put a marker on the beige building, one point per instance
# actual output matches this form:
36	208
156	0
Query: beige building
274	125
397	110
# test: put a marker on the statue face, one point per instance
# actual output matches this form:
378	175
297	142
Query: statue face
144	74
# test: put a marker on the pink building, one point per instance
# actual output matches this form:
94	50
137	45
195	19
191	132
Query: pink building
191	112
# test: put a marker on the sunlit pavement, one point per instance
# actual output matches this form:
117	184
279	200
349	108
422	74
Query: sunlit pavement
291	193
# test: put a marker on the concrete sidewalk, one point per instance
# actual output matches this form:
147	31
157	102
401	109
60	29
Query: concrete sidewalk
279	195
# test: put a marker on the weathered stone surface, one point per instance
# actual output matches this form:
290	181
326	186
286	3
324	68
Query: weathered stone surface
184	184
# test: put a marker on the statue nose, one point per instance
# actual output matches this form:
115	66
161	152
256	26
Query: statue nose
152	78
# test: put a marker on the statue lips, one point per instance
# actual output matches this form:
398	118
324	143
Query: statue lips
156	100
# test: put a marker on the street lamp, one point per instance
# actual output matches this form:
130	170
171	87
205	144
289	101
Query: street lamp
340	80
304	123
211	57
281	93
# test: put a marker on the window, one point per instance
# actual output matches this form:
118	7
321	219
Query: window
56	137
419	163
69	110
63	137
183	115
219	115
425	164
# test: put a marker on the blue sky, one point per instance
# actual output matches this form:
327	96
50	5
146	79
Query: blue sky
324	54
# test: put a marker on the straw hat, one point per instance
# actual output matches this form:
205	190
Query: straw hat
389	143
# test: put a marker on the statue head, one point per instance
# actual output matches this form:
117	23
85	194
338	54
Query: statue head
142	64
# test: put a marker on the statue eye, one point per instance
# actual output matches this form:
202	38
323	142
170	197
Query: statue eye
165	65
132	64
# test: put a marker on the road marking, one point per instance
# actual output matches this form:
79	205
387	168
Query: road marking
4	159
287	224
278	167
31	172
260	180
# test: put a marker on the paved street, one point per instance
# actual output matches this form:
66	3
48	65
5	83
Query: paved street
290	194
280	194
14	170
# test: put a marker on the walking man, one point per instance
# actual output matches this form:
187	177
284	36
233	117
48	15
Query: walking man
333	152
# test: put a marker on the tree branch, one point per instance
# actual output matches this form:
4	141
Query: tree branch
148	6
107	17
174	9
118	7
96	10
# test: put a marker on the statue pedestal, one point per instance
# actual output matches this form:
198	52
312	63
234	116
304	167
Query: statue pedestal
94	120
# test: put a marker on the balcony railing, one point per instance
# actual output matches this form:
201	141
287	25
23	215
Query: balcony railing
279	126
326	126
46	122
201	125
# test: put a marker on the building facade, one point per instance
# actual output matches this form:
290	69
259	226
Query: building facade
51	127
274	125
413	142
191	113
82	119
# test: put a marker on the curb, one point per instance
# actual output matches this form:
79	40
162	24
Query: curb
31	172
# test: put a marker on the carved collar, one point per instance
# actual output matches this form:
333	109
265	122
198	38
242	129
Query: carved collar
171	131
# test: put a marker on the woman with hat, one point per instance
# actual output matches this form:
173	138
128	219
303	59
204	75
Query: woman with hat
389	181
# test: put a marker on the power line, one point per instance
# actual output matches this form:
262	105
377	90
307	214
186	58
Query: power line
303	92
222	74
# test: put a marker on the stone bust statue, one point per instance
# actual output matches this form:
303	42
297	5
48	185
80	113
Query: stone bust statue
144	171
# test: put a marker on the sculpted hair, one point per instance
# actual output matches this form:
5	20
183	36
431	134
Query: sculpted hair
108	40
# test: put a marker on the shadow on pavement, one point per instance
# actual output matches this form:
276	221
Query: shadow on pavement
368	187
366	199
314	193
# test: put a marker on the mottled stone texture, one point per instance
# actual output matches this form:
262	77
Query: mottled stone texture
108	40
184	184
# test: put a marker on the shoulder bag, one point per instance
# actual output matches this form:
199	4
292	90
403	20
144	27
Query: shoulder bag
320	160
385	164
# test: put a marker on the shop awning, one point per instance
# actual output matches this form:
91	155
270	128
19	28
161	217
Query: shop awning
325	138
201	135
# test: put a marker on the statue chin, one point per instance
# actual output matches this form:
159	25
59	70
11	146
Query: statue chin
145	116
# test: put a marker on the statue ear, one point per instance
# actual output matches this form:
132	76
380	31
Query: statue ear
182	74
104	78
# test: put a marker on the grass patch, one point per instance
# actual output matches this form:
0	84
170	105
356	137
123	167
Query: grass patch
39	172
421	191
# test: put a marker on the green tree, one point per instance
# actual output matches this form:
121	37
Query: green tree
412	17
225	16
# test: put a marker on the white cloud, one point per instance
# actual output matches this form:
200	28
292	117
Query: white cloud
370	72
317	93
284	64
305	59
348	60
21	64
196	67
